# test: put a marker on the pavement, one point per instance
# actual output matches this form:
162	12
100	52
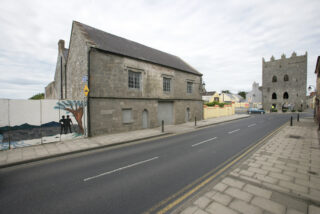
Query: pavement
281	176
44	151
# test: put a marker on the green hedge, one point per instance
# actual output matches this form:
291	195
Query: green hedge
215	103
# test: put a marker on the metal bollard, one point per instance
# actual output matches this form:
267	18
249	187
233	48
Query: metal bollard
291	121
298	117
195	121
162	126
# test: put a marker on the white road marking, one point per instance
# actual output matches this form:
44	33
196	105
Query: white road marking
252	125
119	169
197	144
234	131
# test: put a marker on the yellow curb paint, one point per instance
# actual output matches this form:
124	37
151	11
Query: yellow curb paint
179	200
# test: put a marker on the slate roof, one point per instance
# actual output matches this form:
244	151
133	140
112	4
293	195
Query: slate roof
208	93
111	43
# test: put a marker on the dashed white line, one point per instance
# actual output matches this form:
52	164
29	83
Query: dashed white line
252	125
234	131
119	169
197	144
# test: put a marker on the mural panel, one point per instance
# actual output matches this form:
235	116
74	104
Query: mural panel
24	117
50	128
32	122
4	124
71	118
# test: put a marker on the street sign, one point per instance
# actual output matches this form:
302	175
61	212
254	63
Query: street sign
86	90
85	78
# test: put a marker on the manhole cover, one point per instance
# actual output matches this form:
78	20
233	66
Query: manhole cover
312	173
295	136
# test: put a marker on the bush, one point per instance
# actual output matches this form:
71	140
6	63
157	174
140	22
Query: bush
215	103
299	110
273	110
39	96
221	105
284	110
293	110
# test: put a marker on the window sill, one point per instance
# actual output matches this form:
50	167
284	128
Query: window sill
127	123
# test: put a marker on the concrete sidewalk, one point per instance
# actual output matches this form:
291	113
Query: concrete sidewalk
281	177
44	151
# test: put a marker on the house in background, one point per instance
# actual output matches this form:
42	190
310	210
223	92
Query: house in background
132	86
211	96
254	97
311	100
206	96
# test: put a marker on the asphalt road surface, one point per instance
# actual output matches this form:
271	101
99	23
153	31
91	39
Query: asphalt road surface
131	178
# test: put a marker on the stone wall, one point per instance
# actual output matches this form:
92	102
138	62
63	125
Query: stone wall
57	88
109	78
50	92
216	111
296	69
77	65
110	94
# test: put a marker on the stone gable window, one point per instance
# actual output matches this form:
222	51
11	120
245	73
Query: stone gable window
285	95
286	78
166	84
274	96
134	79
274	79
189	87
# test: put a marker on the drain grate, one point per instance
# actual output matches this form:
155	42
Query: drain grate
295	136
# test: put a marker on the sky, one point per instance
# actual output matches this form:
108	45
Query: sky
224	40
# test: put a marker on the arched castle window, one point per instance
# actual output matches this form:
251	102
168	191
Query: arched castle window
285	95
274	79
286	77
274	96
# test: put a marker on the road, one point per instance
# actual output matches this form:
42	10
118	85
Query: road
131	178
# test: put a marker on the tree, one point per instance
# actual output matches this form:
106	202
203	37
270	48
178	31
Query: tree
39	96
226	92
75	107
242	94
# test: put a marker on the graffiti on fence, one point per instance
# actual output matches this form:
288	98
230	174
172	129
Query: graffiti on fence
29	122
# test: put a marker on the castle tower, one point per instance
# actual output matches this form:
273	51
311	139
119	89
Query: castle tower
284	82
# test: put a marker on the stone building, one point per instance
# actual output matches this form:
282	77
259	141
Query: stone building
254	97
284	82
132	86
57	88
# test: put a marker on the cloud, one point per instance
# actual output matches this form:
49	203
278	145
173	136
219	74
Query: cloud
224	40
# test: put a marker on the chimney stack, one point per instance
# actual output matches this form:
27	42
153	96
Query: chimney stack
61	45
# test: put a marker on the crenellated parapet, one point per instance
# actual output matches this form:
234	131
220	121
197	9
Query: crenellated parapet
283	57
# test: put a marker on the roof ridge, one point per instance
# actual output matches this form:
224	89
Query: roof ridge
110	34
125	47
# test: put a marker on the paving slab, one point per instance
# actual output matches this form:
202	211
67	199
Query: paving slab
276	178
